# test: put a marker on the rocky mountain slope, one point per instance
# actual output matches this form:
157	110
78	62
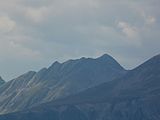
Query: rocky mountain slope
57	81
134	96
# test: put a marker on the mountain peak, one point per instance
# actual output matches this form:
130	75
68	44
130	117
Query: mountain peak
105	56
109	60
56	63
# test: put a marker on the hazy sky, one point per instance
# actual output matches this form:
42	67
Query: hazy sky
35	33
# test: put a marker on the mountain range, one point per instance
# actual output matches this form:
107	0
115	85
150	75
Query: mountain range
132	95
57	81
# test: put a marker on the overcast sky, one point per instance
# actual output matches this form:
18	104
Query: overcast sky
35	33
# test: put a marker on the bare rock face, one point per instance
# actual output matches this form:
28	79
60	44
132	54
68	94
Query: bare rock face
57	81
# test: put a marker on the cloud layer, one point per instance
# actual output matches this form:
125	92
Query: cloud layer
33	34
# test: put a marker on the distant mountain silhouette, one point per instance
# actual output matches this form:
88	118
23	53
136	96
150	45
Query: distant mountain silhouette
57	81
134	96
